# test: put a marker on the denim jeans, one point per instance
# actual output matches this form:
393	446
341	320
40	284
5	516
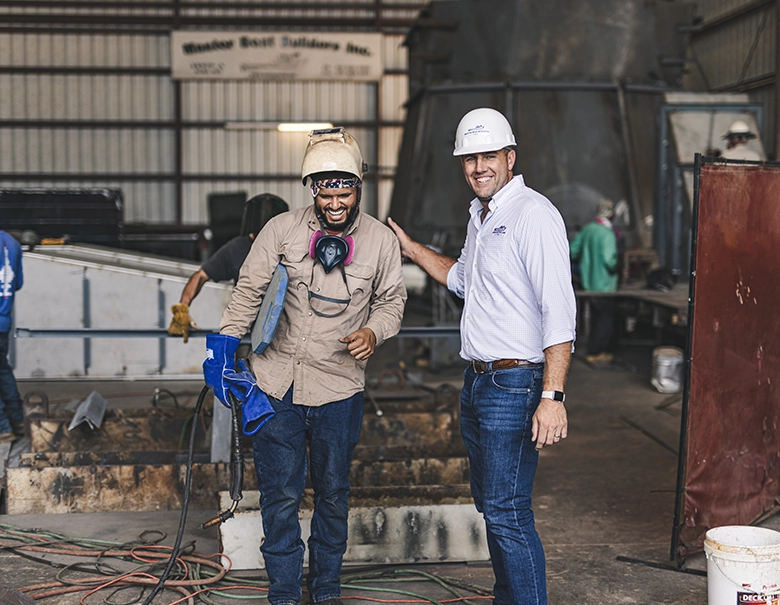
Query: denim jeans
10	402
331	432
496	412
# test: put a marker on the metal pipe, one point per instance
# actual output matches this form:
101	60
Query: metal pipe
542	85
178	151
412	332
62	70
119	70
245	21
174	5
749	84
727	17
160	124
628	154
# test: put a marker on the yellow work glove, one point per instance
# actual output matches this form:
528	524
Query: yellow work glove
182	323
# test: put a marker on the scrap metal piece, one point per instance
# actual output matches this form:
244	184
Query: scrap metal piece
91	410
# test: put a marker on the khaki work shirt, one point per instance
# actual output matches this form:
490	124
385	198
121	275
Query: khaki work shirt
306	351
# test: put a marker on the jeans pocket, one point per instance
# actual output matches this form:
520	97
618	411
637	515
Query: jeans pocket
518	382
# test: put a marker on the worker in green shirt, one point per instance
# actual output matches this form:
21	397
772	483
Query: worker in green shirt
595	248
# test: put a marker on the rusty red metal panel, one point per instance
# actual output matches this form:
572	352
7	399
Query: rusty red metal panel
731	465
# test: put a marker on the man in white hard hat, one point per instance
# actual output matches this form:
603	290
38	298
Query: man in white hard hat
737	137
345	297
517	330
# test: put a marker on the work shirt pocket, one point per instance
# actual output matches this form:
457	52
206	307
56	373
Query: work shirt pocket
360	279
297	270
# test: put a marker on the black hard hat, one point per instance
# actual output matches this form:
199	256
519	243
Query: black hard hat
259	209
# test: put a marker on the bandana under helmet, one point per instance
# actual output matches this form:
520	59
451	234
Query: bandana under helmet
337	183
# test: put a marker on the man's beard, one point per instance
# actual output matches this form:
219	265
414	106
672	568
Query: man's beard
350	218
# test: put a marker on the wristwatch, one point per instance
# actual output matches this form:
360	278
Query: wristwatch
554	395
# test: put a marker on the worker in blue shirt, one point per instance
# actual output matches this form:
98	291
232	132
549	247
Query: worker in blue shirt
11	279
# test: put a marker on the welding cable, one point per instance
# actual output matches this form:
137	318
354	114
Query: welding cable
37	536
236	464
393	591
93	584
233	583
415	575
156	397
379	574
51	539
72	589
185	503
200	594
432	577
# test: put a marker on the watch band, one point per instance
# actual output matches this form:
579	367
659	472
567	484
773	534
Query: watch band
554	395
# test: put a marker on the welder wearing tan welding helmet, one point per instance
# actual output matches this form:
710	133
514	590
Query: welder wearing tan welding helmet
345	296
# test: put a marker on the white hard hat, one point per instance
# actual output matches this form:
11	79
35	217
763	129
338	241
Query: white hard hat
332	150
738	128
482	130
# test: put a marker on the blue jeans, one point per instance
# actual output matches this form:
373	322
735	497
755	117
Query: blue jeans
495	421
10	402
332	432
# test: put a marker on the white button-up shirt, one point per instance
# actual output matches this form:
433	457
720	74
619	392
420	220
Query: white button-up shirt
514	275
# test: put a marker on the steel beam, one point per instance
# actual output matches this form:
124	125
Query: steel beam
413	332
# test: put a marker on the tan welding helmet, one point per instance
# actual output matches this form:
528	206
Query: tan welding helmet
332	150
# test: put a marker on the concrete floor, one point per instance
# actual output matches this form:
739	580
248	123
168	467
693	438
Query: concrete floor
603	493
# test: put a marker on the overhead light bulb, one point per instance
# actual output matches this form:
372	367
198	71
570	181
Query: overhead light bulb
303	126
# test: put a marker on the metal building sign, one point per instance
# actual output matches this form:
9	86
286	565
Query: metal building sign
210	55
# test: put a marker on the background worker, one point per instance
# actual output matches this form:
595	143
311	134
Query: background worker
11	280
226	262
345	297
595	248
516	329
737	137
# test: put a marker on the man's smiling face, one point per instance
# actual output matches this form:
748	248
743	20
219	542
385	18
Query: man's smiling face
336	206
486	173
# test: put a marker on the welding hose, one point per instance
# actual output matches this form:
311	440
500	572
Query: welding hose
186	501
236	464
236	456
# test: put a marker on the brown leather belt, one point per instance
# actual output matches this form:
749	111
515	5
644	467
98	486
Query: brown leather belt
500	364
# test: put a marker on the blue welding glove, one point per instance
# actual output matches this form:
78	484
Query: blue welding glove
219	363
256	409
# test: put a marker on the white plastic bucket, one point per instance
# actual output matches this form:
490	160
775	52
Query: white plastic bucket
743	565
667	369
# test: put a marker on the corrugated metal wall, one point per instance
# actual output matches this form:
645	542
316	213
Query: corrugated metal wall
734	50
90	108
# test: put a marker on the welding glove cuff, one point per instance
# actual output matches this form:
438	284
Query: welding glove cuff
220	363
256	409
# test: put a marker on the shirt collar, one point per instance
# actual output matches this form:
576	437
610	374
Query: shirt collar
506	192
